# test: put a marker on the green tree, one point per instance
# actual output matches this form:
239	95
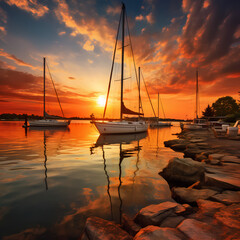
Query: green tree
224	106
208	112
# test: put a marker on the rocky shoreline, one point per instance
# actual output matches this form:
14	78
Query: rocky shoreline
205	201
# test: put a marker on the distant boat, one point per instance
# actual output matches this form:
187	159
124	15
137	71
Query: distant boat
197	123
122	126
160	123
48	120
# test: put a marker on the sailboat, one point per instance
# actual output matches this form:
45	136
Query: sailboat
47	121
198	123
160	123
122	126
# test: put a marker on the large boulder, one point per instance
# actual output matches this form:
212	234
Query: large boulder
190	195
155	213
183	170
227	197
196	230
157	233
98	229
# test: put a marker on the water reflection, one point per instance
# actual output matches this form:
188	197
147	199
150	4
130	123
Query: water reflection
48	132
45	159
120	139
49	179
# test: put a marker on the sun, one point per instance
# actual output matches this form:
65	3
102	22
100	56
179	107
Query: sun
101	101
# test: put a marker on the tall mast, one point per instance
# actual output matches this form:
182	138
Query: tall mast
44	65
122	67
139	96
158	105
197	93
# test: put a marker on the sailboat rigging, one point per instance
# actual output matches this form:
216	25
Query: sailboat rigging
119	127
197	123
48	120
160	123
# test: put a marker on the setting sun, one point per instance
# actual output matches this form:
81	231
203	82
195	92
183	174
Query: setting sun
101	101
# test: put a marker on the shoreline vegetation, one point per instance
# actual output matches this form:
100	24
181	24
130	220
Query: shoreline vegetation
205	201
22	117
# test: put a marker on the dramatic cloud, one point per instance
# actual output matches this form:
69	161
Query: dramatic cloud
208	39
31	6
28	88
87	23
15	59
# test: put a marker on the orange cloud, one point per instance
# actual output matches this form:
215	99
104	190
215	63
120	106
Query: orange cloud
3	15
113	10
82	23
139	18
3	30
15	59
88	46
61	33
33	7
150	18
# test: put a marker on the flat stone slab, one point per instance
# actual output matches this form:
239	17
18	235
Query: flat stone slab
227	197
190	195
172	221
216	156
230	159
158	233
209	208
229	216
196	230
197	140
98	229
223	181
155	213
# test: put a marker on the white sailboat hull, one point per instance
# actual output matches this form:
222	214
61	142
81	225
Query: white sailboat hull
120	127
48	123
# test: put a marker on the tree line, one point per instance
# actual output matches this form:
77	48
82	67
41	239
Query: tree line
224	107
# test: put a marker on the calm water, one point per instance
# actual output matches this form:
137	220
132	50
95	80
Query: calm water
52	180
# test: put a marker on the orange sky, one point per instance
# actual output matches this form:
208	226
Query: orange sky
170	40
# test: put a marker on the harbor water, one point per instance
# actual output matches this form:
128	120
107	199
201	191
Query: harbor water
51	180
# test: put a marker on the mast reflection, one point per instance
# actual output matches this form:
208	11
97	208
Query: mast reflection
45	159
48	133
120	140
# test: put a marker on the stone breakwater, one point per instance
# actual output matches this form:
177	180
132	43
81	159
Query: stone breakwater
205	201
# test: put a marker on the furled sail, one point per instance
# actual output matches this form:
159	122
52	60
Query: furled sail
128	111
